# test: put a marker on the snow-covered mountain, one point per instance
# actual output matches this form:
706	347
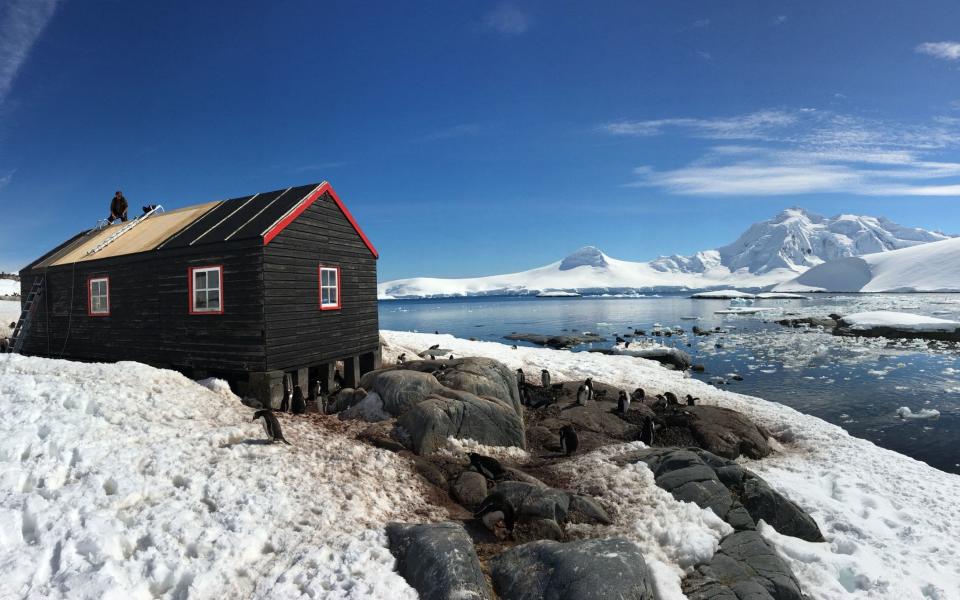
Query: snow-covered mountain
928	268
768	253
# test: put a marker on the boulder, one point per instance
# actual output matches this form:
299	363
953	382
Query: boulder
469	489
735	494
726	432
468	398
596	569
439	561
745	566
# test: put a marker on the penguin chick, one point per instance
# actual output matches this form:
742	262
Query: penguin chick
569	442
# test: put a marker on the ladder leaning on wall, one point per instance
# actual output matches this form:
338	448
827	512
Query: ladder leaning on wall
22	327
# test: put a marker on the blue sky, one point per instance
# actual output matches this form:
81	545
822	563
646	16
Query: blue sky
474	137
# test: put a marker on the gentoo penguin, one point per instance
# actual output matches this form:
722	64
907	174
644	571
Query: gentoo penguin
589	383
521	378
671	398
271	425
638	395
486	466
513	346
661	401
626	345
646	434
402	358
496	514
569	442
623	403
691	400
583	394
314	390
545	378
323	403
299	404
620	340
287	394
337	379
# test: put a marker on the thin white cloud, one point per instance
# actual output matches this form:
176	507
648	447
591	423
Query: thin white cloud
705	55
755	125
943	50
700	24
319	167
804	152
21	23
779	20
506	19
462	130
6	179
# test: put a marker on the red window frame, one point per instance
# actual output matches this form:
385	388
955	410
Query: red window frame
90	281
190	307
320	269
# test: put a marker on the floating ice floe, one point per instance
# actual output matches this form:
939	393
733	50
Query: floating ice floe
924	413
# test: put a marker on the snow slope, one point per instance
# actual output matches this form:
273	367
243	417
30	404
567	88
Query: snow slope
931	267
124	482
892	523
9	287
768	253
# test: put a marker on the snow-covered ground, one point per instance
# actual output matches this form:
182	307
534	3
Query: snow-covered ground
9	313
892	523
124	481
768	253
900	321
933	267
9	287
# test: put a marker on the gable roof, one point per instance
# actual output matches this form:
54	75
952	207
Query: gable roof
262	215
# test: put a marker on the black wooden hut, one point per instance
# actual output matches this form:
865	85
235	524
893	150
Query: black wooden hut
249	289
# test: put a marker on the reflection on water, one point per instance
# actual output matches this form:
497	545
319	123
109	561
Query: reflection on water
858	383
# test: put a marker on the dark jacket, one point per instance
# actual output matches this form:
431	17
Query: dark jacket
118	207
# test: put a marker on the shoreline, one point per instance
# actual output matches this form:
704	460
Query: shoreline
886	517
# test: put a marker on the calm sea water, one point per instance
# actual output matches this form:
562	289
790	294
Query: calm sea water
856	383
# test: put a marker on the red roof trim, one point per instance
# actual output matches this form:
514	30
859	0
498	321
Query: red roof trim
275	230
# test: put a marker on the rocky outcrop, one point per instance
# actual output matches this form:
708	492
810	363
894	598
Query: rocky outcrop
584	570
744	567
557	342
469	489
542	512
439	561
726	432
673	358
733	493
468	398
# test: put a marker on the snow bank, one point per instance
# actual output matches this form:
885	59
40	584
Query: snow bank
124	481
933	267
892	523
9	313
898	320
9	287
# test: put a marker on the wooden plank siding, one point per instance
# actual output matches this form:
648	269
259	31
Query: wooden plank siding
298	333
149	319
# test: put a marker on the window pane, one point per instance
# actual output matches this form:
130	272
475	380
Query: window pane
200	280
333	278
325	296
324	277
213	299
199	299
213	279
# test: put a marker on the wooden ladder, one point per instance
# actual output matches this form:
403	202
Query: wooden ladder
26	315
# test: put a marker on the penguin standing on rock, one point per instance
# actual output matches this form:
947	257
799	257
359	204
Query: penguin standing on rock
691	401
646	434
545	378
402	358
638	395
623	403
270	425
583	394
569	442
521	378
672	399
299	404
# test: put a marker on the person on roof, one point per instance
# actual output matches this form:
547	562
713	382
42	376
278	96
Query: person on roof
118	208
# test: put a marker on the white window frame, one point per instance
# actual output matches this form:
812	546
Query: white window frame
330	305
206	310
104	297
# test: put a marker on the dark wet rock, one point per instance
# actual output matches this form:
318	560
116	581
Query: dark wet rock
583	509
438	560
784	515
469	489
735	494
825	322
378	435
726	432
597	569
468	398
744	567
673	358
556	342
